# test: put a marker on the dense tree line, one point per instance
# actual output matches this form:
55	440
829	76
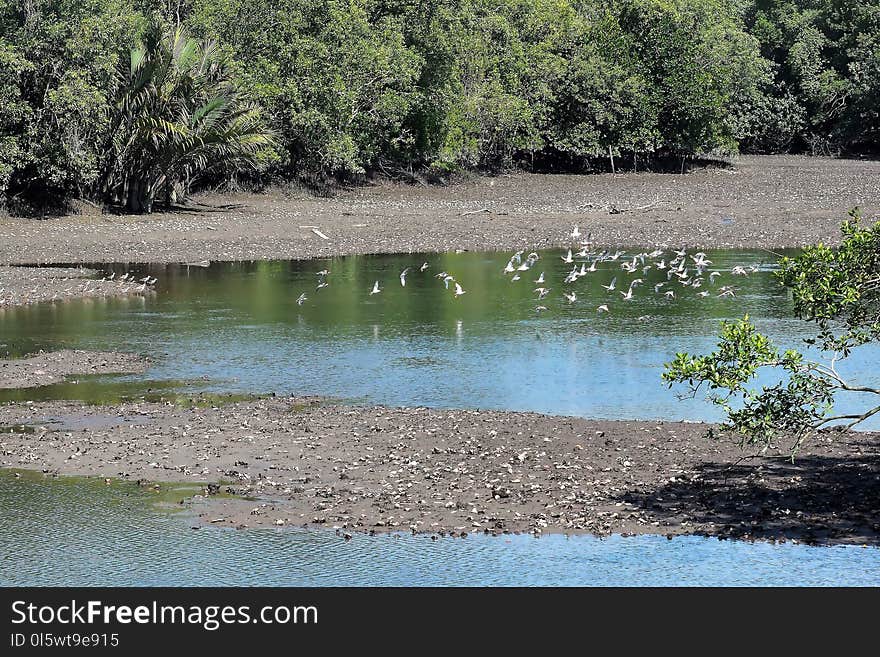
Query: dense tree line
322	89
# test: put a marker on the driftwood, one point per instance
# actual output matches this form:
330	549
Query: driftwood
470	212
613	209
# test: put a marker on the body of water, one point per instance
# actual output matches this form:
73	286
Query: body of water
237	327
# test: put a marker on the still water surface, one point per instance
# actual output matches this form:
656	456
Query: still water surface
236	327
79	532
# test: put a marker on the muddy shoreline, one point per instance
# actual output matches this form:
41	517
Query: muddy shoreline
759	202
767	202
46	368
457	472
23	286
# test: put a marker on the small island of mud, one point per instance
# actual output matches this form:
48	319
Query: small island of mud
301	462
46	368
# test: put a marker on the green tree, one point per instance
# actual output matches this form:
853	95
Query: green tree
336	78
838	289
824	55
57	69
177	115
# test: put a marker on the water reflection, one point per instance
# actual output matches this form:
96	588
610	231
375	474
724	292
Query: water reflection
237	328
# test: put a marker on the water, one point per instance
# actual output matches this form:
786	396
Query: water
80	532
236	327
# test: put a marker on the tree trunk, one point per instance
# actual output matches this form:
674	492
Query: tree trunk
139	199
611	155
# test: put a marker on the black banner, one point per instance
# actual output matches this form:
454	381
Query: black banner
228	619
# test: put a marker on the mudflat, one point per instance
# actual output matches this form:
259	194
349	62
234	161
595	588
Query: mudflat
759	201
52	367
756	202
304	462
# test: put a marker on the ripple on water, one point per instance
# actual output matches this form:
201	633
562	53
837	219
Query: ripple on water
81	532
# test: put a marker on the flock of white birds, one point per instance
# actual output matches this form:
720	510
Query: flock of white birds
685	271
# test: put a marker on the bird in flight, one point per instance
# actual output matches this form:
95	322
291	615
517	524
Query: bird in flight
375	289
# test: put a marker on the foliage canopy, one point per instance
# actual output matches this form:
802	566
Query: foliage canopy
838	290
408	88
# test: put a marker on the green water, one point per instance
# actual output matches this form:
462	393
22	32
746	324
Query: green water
237	328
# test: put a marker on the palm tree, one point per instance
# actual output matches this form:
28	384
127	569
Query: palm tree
178	115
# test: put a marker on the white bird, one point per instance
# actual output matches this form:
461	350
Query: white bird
403	277
516	277
459	291
703	294
509	269
539	309
447	280
670	294
700	260
739	271
542	292
424	266
575	233
571	298
302	299
322	284
611	287
375	289
603	308
567	258
323	272
540	279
